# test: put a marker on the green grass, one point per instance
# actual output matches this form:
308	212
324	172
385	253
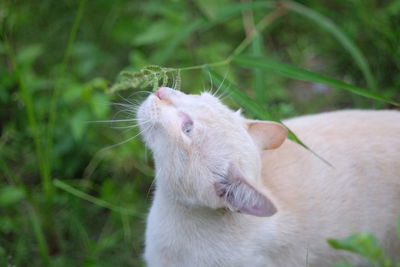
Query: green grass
67	201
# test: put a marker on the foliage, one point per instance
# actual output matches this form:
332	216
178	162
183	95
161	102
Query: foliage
69	194
365	245
155	76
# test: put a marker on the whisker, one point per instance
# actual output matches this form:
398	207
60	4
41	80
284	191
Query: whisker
204	86
211	82
227	94
174	83
126	141
143	123
108	121
124	105
140	92
150	187
128	113
127	100
223	80
124	127
223	95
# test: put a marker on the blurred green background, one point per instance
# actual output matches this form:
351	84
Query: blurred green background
68	196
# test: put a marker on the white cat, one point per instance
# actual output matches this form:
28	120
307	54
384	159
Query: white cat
235	192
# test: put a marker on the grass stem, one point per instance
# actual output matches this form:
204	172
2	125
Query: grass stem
99	202
56	95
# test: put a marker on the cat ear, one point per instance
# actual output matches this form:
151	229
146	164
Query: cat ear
240	196
267	134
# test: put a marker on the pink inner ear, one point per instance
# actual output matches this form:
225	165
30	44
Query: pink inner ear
267	134
241	196
259	205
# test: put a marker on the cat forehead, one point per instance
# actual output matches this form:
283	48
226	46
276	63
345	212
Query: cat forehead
203	98
203	103
168	106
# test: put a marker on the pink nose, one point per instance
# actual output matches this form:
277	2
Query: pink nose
160	93
164	93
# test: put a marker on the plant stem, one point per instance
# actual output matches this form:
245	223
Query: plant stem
27	99
48	186
92	199
214	64
43	168
341	37
56	95
39	235
267	20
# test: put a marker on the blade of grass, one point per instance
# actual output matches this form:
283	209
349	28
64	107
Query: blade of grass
201	24
39	150
251	106
39	235
237	95
346	42
265	21
97	201
257	50
305	75
258	74
398	226
32	120
78	228
56	95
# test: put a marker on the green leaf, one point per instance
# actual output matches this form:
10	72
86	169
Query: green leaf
10	195
398	227
364	244
305	75
37	227
97	201
346	42
260	87
251	106
238	96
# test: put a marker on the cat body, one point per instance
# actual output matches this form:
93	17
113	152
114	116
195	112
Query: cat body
247	196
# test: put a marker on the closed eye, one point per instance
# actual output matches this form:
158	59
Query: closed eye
187	126
187	123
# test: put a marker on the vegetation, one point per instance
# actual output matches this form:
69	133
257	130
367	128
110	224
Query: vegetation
75	191
365	245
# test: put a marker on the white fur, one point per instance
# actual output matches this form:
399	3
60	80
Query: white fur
189	223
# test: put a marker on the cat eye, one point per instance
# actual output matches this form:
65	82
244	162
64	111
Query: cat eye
187	122
187	126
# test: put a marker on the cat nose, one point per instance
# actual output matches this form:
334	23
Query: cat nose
161	93
165	93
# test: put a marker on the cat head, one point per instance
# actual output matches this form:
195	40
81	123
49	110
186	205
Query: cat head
207	154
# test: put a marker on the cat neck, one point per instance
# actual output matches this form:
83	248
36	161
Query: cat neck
183	214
